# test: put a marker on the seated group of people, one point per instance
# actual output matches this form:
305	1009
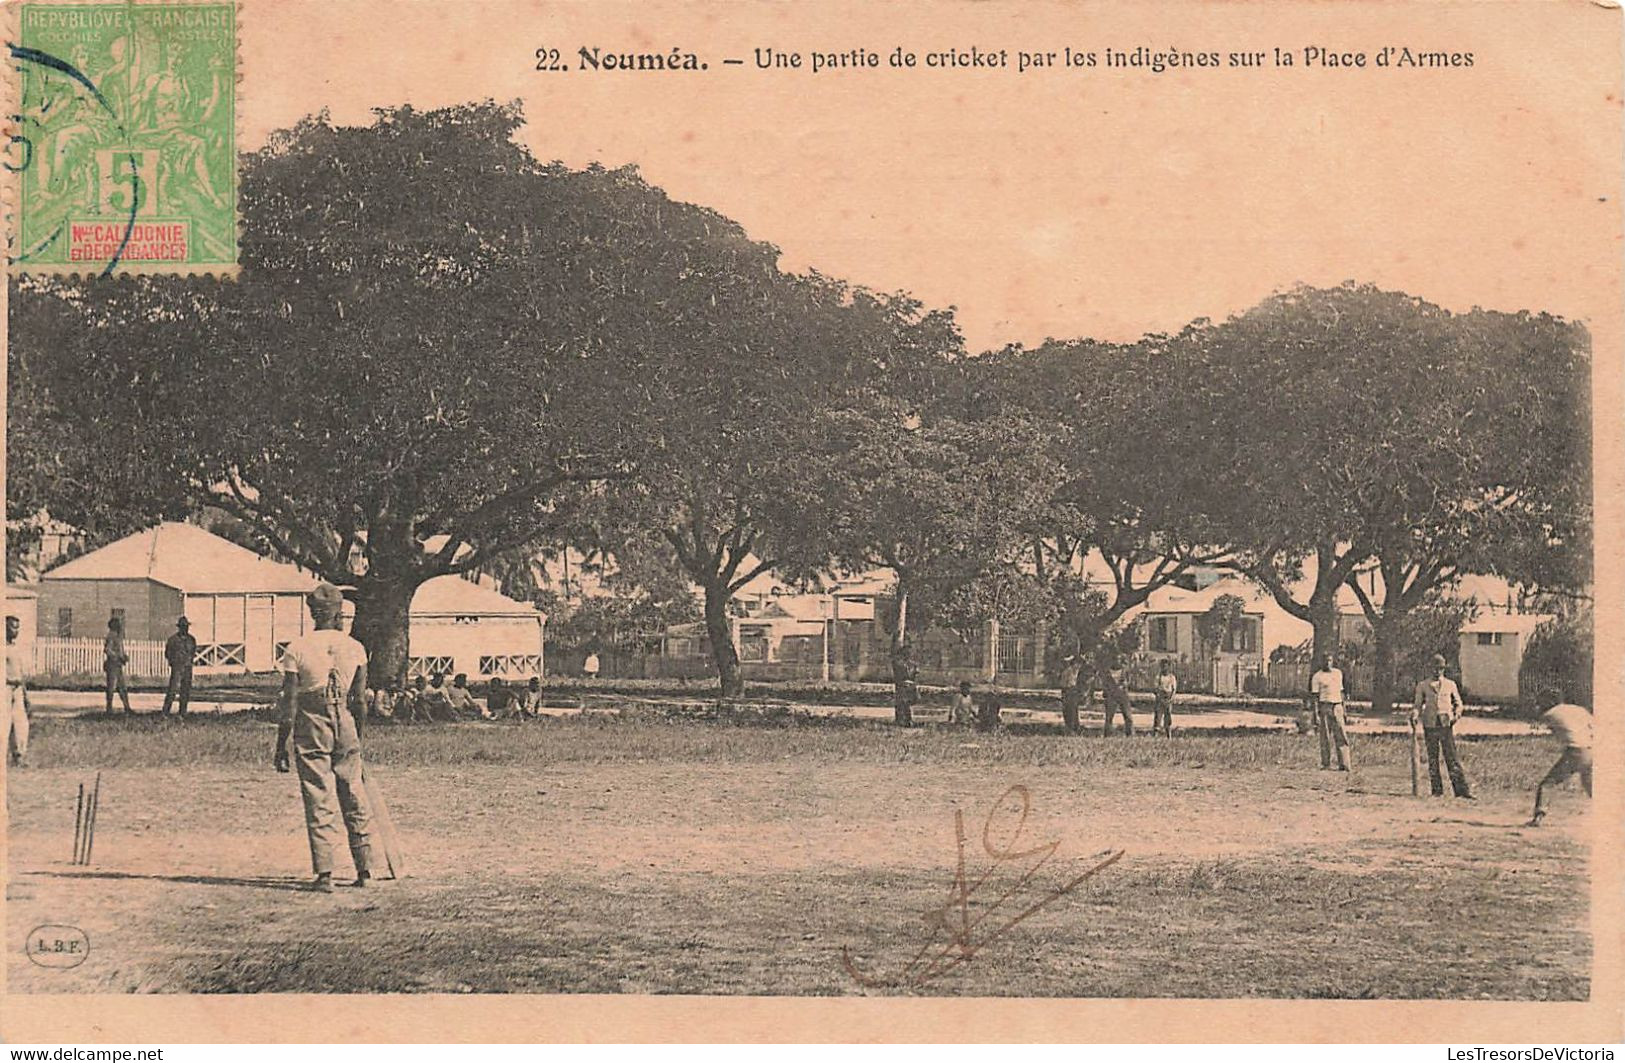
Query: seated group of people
432	700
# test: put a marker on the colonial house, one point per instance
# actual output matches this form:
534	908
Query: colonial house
244	609
1492	648
1172	630
459	626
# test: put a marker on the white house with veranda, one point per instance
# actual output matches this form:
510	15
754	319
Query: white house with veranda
244	609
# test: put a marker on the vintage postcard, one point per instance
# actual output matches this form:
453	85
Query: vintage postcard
1014	521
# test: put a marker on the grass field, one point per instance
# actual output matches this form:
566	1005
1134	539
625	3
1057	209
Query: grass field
629	854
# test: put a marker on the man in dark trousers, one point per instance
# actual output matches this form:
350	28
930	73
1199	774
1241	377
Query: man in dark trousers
1439	704
180	651
324	687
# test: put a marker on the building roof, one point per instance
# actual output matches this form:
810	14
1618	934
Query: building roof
187	558
456	596
1520	623
1173	599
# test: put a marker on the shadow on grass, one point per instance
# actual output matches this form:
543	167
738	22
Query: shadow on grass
267	882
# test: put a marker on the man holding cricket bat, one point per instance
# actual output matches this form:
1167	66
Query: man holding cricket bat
324	687
1439	705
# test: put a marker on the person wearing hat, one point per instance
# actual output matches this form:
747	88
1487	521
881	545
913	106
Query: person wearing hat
180	651
323	701
1439	705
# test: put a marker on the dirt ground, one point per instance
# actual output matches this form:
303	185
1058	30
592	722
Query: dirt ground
705	857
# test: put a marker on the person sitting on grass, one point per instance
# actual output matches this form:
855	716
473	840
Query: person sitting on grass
530	701
434	702
1571	723
500	702
461	699
962	708
409	706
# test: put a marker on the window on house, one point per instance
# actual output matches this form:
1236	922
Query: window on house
1491	638
1162	634
1242	637
64	623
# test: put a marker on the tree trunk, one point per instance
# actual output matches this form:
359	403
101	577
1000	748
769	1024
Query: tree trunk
722	642
904	674
1323	618
383	612
1384	666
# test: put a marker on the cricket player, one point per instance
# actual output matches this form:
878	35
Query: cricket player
1330	722
16	695
323	701
1438	705
1571	723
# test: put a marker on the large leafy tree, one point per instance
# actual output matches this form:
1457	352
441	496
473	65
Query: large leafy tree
1372	432
434	341
1118	499
933	500
714	495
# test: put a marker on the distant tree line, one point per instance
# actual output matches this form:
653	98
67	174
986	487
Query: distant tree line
496	356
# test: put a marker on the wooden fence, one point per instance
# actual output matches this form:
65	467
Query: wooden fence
61	657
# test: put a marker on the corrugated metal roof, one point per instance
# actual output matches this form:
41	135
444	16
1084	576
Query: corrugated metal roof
456	596
187	558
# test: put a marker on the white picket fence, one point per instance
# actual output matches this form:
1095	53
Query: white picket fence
60	657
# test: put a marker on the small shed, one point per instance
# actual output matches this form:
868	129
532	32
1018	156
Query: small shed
460	626
1492	647
243	608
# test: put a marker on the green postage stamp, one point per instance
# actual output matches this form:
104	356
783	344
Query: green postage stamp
123	153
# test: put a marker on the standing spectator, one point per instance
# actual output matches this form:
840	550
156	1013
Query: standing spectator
17	668
1571	723
1116	696
1439	704
1071	694
114	658
589	667
180	651
1330	722
1163	714
962	707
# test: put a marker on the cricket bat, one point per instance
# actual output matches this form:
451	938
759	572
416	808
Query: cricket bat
383	827
1416	759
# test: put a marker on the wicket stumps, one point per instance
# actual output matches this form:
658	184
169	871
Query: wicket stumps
84	823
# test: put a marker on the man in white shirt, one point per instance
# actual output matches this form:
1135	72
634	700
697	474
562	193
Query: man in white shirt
1162	715
324	687
1571	723
1439	705
16	695
1330	722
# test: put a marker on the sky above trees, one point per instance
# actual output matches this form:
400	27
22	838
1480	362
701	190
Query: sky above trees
1118	204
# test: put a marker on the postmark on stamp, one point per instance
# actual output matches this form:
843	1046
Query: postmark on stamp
123	152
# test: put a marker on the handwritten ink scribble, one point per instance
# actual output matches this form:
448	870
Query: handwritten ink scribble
956	933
